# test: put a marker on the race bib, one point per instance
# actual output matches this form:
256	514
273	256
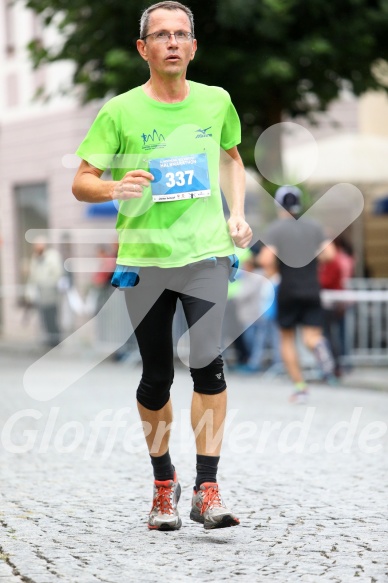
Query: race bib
179	178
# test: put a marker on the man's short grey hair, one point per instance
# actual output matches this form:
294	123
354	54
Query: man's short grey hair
145	17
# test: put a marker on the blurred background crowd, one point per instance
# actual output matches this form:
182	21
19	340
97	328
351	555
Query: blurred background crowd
294	64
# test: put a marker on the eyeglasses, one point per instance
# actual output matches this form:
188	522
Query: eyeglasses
164	36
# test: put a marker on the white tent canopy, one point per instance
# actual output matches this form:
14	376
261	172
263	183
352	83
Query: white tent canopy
353	158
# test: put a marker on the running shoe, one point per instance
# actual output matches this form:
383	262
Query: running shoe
247	369
300	396
164	513
209	509
331	380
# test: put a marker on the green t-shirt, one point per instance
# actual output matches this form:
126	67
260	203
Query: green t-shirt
133	131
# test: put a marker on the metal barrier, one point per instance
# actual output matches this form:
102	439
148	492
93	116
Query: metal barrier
366	319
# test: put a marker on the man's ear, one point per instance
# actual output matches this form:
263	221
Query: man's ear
141	46
194	49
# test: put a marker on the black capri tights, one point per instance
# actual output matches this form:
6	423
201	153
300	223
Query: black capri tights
151	306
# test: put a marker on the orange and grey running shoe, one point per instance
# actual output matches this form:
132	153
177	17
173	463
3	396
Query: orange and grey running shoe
164	513
209	509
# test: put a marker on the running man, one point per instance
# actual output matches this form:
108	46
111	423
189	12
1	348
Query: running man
298	296
169	143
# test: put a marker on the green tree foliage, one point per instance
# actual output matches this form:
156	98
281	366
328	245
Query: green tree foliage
273	56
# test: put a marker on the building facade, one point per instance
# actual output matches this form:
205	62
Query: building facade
37	143
38	139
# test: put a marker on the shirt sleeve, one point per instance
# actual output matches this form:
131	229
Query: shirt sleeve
231	129
101	142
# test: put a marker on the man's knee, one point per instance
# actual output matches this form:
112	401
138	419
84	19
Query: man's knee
311	336
210	379
154	392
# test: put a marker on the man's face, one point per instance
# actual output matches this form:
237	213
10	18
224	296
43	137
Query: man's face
167	58
39	247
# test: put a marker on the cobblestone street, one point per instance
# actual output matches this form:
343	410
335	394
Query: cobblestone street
309	483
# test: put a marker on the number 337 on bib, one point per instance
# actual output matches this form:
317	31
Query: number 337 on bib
179	178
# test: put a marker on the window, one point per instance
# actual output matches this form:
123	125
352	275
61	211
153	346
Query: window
9	20
31	206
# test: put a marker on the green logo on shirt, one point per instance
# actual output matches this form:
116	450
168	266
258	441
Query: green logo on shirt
153	141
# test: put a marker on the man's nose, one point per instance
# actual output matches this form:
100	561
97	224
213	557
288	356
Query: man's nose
172	40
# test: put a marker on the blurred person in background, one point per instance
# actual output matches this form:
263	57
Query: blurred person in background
238	315
247	301
334	275
266	348
100	293
299	304
43	288
256	309
101	279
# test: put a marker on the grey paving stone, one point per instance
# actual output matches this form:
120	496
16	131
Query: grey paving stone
308	514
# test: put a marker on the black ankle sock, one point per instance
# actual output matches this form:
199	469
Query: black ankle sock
206	469
162	466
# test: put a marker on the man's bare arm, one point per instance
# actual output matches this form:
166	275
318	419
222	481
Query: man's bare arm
327	252
232	181
89	187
